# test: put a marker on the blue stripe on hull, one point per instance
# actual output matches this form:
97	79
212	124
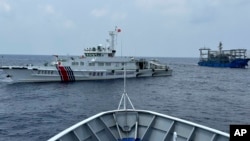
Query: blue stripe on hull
238	63
70	74
66	73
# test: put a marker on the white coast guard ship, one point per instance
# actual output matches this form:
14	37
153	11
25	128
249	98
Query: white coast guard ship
97	63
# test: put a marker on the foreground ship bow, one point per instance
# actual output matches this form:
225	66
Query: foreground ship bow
97	63
126	124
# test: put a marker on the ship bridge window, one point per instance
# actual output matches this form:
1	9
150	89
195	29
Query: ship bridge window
82	63
100	64
108	64
75	63
91	64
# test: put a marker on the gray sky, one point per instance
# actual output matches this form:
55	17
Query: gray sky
161	28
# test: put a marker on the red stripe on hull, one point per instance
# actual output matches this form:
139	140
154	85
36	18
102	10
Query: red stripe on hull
64	73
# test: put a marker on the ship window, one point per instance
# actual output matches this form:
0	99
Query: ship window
82	63
100	64
108	64
91	64
75	63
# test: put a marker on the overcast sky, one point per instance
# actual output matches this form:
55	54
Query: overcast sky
163	28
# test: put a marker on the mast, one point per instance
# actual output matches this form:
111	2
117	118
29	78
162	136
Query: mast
113	35
220	47
125	96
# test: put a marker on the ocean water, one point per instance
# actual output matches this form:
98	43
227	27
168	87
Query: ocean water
214	97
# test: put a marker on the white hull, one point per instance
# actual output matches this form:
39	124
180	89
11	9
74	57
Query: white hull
52	74
138	125
126	124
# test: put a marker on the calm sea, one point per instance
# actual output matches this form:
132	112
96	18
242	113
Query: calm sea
215	97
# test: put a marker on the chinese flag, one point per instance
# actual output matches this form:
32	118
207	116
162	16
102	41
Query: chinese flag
119	30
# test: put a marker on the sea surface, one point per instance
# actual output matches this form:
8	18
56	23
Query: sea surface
215	97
